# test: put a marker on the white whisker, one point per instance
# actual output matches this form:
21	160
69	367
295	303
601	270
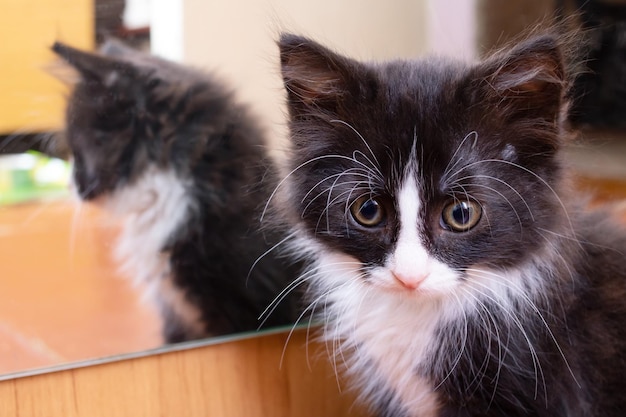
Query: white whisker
377	165
479	373
463	345
492	296
302	165
267	252
519	291
530	212
310	307
454	158
74	228
328	178
543	181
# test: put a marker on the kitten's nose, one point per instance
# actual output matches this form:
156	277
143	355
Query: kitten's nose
411	282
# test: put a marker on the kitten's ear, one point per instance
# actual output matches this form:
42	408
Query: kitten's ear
115	48
314	76
93	66
530	78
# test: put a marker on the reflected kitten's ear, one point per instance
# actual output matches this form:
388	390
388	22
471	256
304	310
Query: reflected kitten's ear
314	76
528	79
115	48
94	67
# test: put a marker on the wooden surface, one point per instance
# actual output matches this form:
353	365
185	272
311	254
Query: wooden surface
61	298
246	378
62	301
31	100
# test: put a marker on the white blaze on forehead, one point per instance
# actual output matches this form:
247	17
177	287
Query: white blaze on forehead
410	263
410	258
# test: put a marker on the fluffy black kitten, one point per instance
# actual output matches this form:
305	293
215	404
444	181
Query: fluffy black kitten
171	150
455	271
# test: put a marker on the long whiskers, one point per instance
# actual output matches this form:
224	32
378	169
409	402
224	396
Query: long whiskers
492	296
534	174
377	164
338	344
310	161
267	252
463	345
304	277
490	177
339	199
479	373
267	312
74	228
530	303
580	242
322	296
42	207
456	160
357	172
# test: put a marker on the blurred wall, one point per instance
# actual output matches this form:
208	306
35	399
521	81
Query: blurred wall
499	21
237	38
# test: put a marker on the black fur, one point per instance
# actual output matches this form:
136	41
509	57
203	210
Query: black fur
431	106
490	132
130	112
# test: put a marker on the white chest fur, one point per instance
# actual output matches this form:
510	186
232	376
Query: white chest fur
153	208
386	337
382	336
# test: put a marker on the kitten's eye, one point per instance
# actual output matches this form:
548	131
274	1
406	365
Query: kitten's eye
367	211
461	216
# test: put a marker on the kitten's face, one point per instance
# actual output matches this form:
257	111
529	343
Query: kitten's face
101	134
416	175
128	112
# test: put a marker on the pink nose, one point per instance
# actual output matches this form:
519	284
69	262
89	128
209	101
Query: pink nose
411	281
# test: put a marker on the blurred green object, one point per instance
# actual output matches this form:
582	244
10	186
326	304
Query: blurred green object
32	176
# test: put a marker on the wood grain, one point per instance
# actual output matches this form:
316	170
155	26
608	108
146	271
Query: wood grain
251	377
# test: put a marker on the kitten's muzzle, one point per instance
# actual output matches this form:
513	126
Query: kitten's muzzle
410	282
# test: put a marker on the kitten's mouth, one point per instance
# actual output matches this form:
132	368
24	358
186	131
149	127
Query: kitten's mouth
404	292
397	288
416	285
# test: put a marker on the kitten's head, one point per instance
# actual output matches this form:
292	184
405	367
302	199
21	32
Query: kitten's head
129	111
416	173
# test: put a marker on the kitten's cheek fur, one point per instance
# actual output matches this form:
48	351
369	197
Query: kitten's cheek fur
341	269
337	269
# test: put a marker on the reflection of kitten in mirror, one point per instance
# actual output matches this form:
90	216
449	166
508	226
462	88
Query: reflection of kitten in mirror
456	273
169	148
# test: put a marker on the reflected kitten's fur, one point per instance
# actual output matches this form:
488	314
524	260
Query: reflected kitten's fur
455	272
169	149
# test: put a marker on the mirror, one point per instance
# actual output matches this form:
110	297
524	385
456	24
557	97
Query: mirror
62	298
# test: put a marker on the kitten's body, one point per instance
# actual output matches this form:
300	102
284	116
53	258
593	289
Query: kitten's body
455	271
170	150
